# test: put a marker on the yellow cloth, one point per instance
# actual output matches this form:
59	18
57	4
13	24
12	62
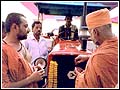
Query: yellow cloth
98	18
102	68
14	67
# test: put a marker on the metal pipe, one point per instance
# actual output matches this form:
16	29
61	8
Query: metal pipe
83	23
84	36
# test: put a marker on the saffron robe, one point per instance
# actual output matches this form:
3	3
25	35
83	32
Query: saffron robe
14	67
102	67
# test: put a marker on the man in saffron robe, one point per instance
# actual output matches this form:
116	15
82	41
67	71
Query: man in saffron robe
16	71
102	66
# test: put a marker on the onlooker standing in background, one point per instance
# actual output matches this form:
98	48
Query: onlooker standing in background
37	46
68	31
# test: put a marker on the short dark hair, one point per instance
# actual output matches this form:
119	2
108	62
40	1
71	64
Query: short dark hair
36	22
13	18
70	16
3	26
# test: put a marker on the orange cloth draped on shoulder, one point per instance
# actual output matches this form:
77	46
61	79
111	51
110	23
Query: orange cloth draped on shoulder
14	67
102	68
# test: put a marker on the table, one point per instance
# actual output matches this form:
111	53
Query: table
61	63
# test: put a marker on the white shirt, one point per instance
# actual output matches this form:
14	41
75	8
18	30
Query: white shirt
36	48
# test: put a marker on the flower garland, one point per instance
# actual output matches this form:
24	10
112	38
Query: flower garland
52	74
